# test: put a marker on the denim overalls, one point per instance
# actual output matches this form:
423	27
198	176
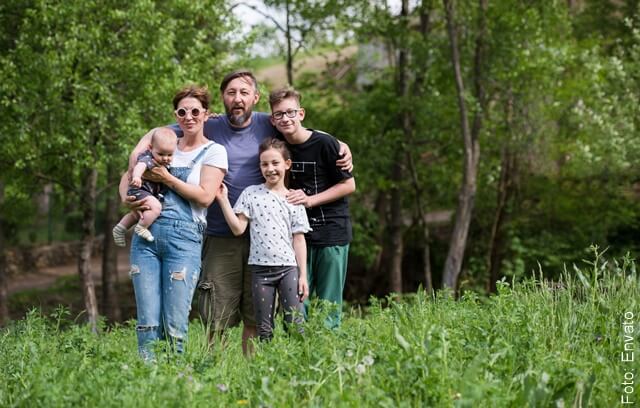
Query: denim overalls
165	272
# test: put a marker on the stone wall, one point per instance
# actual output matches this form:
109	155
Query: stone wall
34	258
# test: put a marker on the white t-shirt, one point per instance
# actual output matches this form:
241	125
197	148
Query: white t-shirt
272	222
216	156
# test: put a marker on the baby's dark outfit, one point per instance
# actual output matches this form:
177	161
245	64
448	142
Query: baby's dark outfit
148	187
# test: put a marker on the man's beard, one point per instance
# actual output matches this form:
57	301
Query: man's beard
238	120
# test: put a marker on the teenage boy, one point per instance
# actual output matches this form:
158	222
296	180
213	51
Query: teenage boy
322	188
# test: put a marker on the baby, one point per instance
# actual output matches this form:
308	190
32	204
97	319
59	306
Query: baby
160	152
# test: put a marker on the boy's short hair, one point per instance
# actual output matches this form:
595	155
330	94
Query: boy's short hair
281	94
239	73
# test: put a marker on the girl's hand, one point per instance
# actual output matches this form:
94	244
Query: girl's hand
223	192
303	288
136	182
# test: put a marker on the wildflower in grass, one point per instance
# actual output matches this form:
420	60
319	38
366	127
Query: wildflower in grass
368	360
242	402
349	353
360	369
222	387
545	378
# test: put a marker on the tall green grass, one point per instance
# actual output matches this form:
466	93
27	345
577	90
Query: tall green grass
535	343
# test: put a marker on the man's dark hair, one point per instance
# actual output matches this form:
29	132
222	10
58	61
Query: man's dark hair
239	73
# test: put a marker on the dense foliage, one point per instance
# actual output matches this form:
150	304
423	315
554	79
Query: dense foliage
558	132
551	89
84	80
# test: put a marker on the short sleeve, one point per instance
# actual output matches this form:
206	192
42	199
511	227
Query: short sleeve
243	204
216	156
299	220
147	158
331	152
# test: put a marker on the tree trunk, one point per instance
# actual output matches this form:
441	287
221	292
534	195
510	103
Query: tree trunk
88	202
110	304
4	297
289	47
397	176
397	242
378	271
426	8
466	197
426	251
426	266
496	242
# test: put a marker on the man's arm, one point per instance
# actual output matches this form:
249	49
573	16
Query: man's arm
339	190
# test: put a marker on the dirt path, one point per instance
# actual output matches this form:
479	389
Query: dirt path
276	76
46	277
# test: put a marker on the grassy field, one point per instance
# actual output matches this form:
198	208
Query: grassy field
536	343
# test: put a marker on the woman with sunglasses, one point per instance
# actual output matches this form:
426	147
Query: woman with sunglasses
165	271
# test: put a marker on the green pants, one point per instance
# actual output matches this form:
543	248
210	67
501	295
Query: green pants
327	273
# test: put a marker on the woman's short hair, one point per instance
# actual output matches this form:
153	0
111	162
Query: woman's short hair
200	93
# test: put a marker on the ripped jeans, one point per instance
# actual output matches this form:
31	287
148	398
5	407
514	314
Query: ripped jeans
165	274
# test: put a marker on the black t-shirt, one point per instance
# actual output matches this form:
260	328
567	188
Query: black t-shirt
314	171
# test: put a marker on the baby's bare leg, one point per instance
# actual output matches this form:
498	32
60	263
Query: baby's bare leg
120	230
150	215
129	220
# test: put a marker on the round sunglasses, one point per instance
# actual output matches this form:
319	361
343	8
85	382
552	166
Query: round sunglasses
195	112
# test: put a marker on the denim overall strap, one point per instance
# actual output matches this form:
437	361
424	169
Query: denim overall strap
175	206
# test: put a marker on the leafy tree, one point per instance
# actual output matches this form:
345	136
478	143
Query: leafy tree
92	76
542	96
302	23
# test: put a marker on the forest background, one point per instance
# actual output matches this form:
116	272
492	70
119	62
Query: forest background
491	140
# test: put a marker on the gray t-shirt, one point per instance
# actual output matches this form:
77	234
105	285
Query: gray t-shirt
244	162
272	222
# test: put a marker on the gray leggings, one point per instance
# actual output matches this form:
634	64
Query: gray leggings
265	280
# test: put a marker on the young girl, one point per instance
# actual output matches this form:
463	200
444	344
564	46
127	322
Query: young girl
277	239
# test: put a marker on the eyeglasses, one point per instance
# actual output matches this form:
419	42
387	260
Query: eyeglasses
291	113
195	112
